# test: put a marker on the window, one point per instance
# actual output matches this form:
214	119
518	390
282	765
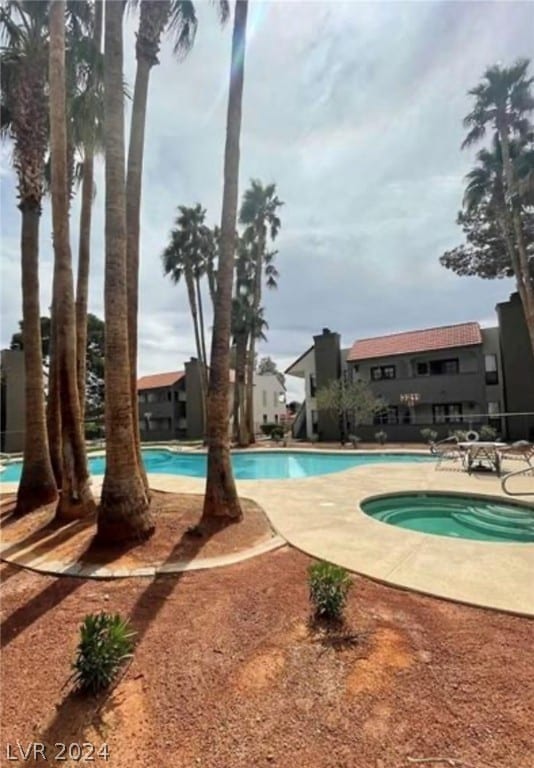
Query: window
490	366
276	402
141	397
444	367
313	385
494	408
379	372
389	415
264	398
265	418
447	413
276	418
421	369
169	395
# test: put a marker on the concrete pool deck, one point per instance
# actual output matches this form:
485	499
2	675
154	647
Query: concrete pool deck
321	516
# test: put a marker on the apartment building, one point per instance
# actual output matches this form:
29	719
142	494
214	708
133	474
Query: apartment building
170	404
451	377
12	414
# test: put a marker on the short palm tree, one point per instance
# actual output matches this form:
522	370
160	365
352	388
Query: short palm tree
502	103
24	116
221	498
259	215
124	508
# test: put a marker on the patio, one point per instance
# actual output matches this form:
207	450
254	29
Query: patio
321	516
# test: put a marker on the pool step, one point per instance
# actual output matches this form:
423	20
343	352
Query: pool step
507	529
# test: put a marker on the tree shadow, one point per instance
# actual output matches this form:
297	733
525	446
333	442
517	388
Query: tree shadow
54	532
152	599
24	616
62	586
7	570
76	713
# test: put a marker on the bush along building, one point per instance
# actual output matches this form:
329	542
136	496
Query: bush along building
456	377
170	404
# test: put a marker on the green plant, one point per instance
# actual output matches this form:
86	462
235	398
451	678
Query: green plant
277	433
106	642
487	432
381	437
267	428
429	435
329	585
355	439
459	434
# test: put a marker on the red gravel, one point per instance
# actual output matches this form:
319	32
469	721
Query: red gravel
227	673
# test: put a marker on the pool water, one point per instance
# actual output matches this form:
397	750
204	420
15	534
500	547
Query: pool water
464	517
249	465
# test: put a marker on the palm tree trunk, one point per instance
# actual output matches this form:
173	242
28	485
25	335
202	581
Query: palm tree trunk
204	358
221	498
53	411
240	388
124	510
133	215
250	367
190	283
37	485
201	319
76	497
82	284
84	246
249	400
525	283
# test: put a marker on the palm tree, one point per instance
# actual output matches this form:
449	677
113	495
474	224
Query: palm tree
84	116
124	509
221	498
76	497
185	256
503	101
87	117
23	69
259	215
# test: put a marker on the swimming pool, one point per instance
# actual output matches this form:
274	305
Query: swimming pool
250	465
465	517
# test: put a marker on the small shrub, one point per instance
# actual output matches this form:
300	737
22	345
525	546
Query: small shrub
267	429
487	432
329	585
277	433
106	642
355	439
429	435
381	437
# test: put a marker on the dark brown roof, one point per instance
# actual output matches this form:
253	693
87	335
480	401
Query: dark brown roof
410	342
160	380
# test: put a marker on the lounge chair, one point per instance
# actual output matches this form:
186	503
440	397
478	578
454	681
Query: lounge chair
448	450
521	450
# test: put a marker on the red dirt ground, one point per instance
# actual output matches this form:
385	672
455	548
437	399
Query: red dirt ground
175	514
228	673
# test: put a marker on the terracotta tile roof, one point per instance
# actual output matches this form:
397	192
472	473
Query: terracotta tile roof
166	379
159	380
427	340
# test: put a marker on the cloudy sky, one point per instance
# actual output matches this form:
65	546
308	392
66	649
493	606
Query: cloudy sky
354	110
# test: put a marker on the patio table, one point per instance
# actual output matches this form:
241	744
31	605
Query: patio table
483	454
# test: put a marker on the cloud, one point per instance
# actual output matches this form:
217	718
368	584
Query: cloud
354	110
